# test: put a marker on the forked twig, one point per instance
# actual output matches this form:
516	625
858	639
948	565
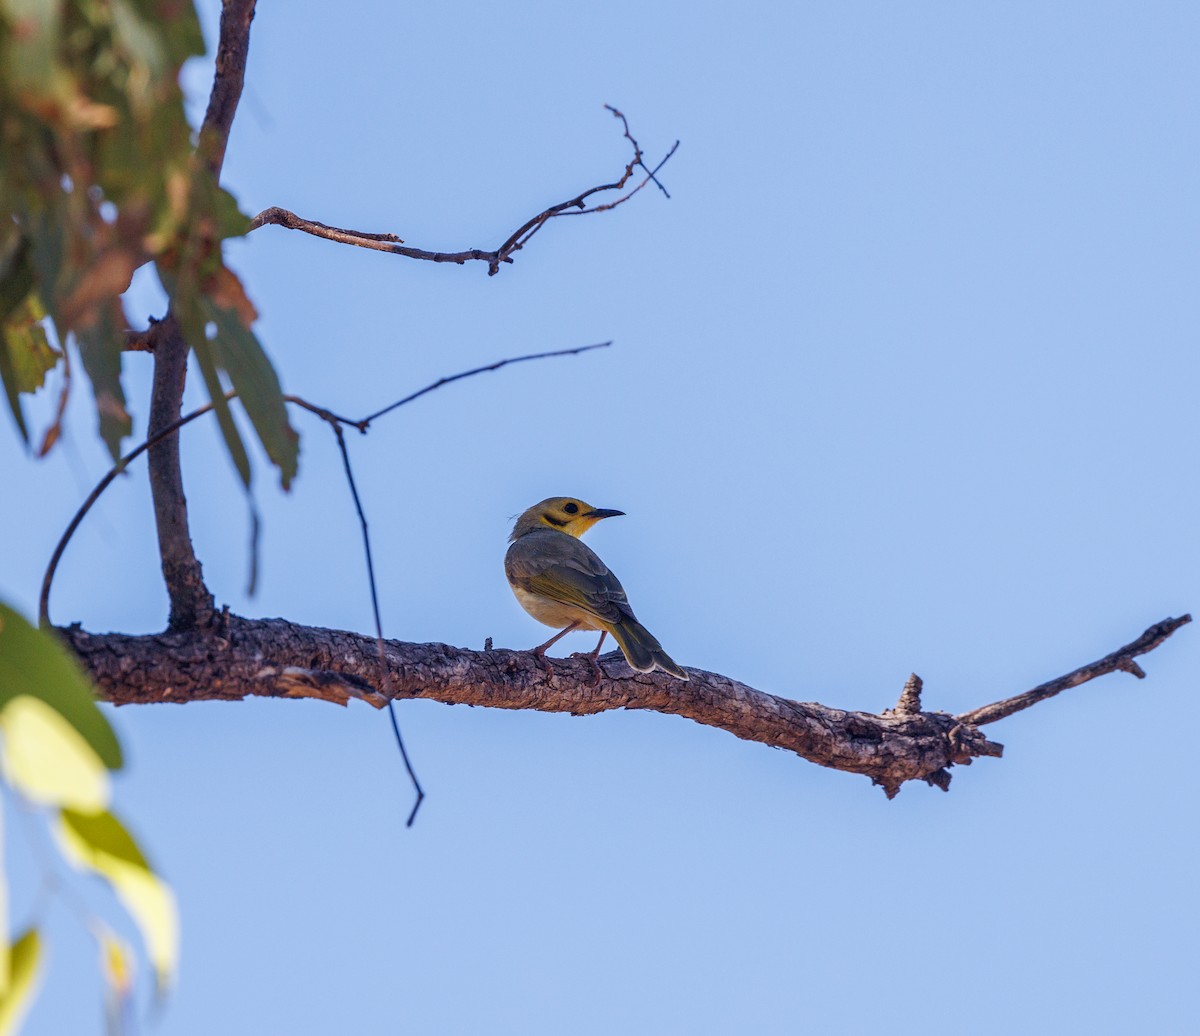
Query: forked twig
335	422
322	412
576	206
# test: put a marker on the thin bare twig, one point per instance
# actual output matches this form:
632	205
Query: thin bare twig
625	197
385	672
335	422
322	412
1121	659
366	421
94	495
515	241
638	151
141	341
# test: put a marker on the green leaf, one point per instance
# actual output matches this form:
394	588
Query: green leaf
101	349
16	282
237	350
47	229
234	350
24	958
212	202
216	392
30	50
177	25
16	274
101	843
189	311
103	835
137	39
93	124
29	348
9	376
35	663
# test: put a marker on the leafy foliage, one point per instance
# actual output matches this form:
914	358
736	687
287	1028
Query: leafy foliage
57	750
100	174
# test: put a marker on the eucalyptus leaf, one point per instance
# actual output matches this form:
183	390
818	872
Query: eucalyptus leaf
101	348
29	348
237	350
98	173
47	759
16	274
190	312
24	960
101	843
30	57
8	376
16	282
35	663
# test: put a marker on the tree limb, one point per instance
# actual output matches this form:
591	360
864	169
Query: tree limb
169	430
239	658
1121	659
190	600
233	45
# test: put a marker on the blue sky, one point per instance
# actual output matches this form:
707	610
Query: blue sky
904	378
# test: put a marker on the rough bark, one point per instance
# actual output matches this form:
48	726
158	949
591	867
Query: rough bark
239	658
232	48
207	656
190	601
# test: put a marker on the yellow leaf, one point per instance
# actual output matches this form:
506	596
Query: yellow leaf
101	843
47	759
117	963
24	957
5	949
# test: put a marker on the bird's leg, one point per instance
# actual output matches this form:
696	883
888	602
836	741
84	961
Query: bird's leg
591	656
540	650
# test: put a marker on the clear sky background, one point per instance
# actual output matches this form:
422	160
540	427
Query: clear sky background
904	379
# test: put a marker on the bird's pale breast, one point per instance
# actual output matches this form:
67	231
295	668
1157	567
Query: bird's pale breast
554	613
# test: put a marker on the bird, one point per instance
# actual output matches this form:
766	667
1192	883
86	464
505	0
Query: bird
562	582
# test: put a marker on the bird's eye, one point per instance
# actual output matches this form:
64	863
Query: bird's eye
571	508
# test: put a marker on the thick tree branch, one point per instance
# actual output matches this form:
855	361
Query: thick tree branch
190	601
168	432
239	658
576	206
232	47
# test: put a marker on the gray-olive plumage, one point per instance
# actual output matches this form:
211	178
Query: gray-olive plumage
563	583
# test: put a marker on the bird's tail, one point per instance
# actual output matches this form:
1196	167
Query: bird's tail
642	651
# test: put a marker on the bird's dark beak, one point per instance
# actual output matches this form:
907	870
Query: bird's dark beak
601	512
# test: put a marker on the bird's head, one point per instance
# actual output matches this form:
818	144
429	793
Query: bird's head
562	513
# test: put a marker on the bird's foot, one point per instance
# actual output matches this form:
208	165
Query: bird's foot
597	672
544	662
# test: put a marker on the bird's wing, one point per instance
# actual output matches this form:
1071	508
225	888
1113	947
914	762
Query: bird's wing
559	567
